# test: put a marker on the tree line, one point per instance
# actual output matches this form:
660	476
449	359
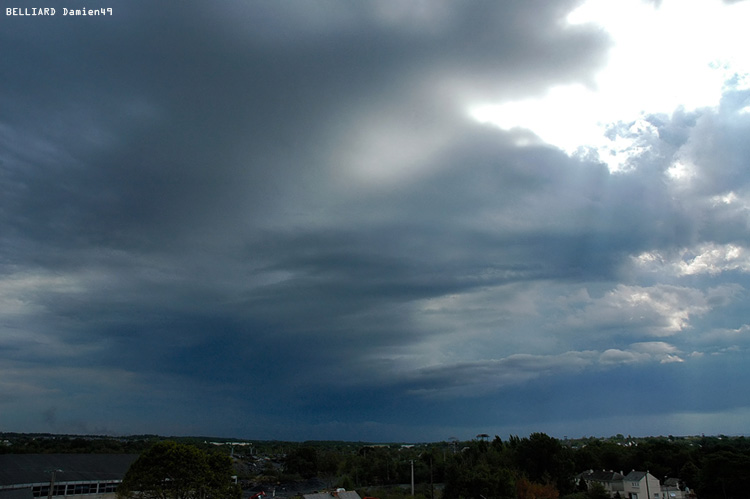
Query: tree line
537	466
540	465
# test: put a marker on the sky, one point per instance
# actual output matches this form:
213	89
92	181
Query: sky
375	221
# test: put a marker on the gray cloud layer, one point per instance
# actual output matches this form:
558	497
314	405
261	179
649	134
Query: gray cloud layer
248	218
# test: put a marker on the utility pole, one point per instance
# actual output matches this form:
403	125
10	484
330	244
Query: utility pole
52	481
432	483
412	476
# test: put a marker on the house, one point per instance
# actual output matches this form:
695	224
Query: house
610	480
65	476
641	485
673	488
636	485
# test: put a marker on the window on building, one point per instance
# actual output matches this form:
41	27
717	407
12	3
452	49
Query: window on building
107	487
85	488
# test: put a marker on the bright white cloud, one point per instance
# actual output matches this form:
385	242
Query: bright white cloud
714	258
679	54
664	352
732	203
616	356
707	258
654	347
659	310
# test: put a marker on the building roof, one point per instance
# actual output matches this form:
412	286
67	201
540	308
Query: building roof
16	494
18	469
636	476
601	476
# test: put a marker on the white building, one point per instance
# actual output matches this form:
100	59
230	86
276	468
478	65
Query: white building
641	485
636	485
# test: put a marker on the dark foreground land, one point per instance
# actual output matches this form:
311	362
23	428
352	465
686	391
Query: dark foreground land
712	466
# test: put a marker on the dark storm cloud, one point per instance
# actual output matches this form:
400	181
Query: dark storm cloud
162	126
175	131
209	205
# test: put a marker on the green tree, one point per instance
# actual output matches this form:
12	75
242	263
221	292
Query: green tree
526	489
478	470
597	491
170	470
543	459
690	473
302	461
724	474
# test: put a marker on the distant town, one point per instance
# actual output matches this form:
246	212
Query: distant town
483	467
